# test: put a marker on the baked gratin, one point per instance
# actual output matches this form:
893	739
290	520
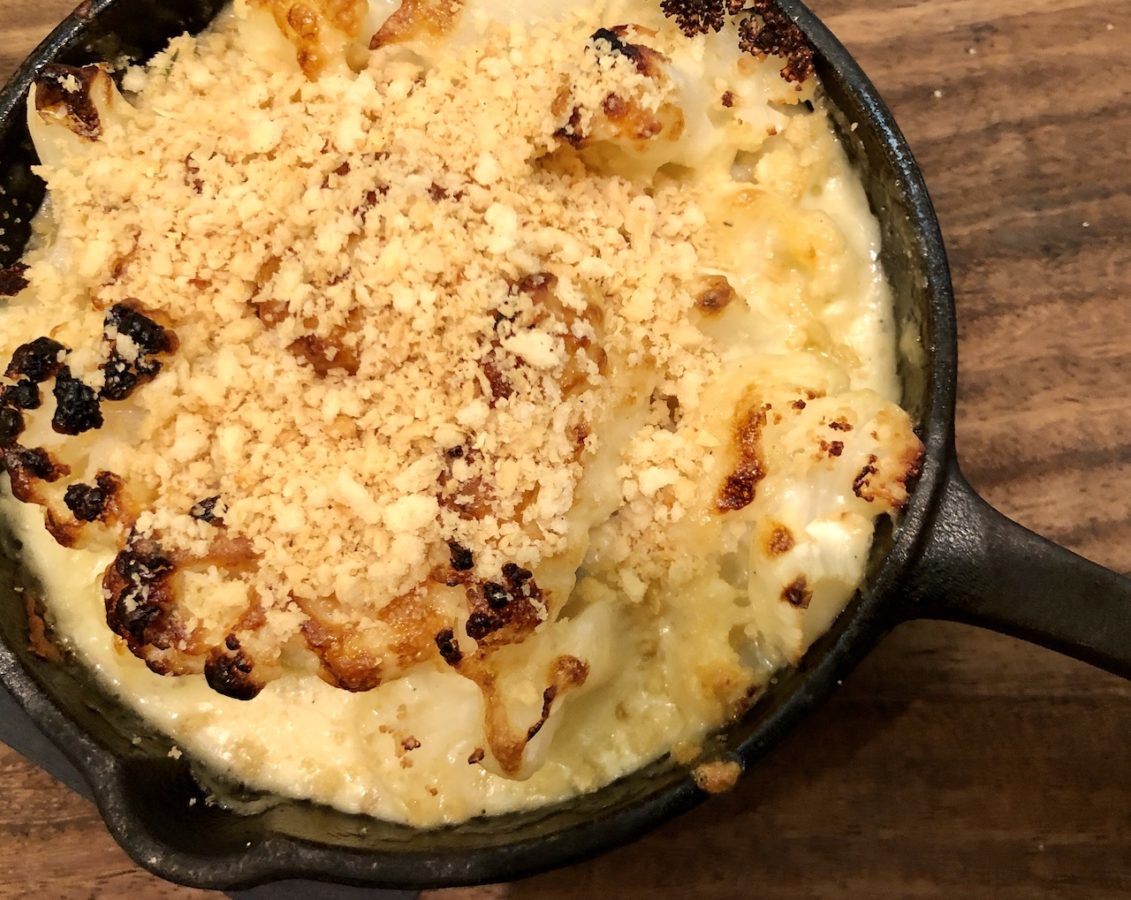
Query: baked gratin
443	407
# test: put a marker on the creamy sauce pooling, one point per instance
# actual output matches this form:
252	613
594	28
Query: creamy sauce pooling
670	346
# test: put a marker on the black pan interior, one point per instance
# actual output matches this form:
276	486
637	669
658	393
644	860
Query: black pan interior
145	796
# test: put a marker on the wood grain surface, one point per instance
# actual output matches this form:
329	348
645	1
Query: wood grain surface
954	762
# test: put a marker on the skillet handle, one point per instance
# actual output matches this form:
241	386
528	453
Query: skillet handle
982	568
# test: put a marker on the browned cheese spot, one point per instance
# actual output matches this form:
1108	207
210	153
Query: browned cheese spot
326	354
912	468
36	360
205	511
304	25
614	107
580	433
74	108
566	672
102	502
507	741
831	448
715	295
716	777
797	593
646	60
500	385
418	19
470	499
141	589
96	502
571	132
862	482
739	487
728	99
150	335
622	118
347	661
415	623
779	541
234	553
66	534
892	489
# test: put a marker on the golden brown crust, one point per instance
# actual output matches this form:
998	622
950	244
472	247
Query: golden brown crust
886	480
715	295
140	599
646	60
616	116
506	740
543	278
66	94
27	467
142	588
567	672
716	777
304	24
740	485
418	19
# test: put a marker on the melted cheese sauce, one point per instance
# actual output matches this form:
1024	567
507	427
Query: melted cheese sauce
818	312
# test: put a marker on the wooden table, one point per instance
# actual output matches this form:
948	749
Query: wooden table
954	761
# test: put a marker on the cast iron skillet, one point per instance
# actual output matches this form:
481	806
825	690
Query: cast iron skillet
951	557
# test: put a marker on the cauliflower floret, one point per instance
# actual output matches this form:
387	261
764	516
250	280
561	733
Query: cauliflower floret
832	466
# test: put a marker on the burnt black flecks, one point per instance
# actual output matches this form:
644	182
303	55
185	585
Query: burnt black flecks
76	405
36	360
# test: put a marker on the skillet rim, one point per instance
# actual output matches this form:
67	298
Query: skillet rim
113	779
